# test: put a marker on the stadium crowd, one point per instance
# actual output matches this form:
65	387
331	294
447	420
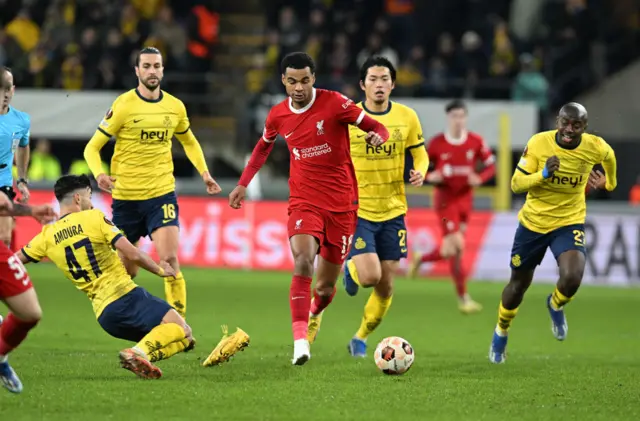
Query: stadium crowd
91	44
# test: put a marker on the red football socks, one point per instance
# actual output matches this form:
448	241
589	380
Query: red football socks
12	332
433	256
300	302
320	302
459	277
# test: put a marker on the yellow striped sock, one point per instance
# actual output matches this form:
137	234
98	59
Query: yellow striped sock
159	337
175	289
170	350
374	311
505	317
353	271
558	299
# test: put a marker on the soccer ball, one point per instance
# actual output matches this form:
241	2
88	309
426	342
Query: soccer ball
394	355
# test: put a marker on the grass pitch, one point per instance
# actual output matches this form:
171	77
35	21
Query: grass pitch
70	370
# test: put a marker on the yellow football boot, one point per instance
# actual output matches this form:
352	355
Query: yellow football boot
228	346
468	306
314	327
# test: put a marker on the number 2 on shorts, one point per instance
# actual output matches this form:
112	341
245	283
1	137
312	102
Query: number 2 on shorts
578	236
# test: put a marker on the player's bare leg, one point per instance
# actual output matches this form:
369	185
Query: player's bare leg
449	246
571	265
166	241
512	296
323	293
6	229
376	308
24	315
304	248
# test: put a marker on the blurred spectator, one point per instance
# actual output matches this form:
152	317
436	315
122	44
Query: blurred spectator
340	61
172	35
531	85
375	47
43	165
410	73
148	8
401	21
203	27
24	30
80	167
634	193
72	76
290	32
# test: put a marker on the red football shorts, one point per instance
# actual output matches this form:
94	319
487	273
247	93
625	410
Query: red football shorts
333	230
14	279
453	212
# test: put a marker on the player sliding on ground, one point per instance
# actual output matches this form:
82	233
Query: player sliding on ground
18	294
143	122
455	155
323	197
554	171
380	239
81	244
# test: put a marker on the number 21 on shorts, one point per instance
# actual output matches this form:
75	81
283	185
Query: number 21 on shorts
578	237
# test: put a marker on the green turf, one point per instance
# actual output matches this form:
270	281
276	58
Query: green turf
70	369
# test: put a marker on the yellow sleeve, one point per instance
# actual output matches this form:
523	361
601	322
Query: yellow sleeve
415	143
190	143
108	127
108	229
610	165
526	174
36	250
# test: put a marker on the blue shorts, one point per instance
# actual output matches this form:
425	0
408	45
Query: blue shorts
133	315
140	218
387	239
529	247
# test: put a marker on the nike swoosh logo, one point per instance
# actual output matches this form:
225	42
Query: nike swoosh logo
403	250
296	298
164	221
360	135
137	121
287	135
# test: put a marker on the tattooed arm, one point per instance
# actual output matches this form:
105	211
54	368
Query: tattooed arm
43	213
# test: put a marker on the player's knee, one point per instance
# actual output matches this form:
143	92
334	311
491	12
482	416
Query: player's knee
188	333
571	276
519	282
172	259
303	264
369	274
31	314
448	248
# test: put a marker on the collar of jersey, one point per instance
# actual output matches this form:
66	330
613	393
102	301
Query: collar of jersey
149	100
306	107
63	216
572	147
364	107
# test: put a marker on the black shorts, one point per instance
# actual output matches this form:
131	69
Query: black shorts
140	218
388	239
133	315
529	247
8	190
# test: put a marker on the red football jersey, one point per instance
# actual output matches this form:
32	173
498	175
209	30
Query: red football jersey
321	172
456	159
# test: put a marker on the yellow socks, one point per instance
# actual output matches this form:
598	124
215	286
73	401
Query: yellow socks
175	289
558	299
171	350
153	344
505	317
351	267
374	312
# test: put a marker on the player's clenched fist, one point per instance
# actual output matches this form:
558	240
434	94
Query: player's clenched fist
105	182
210	183
237	197
44	213
374	139
416	178
552	165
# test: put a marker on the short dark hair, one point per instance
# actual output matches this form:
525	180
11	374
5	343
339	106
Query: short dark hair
375	61
147	50
67	184
456	104
298	60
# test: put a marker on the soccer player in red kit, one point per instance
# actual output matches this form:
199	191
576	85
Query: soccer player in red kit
17	292
455	155
323	191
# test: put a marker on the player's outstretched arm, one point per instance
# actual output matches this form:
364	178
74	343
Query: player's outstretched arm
42	213
196	156
258	158
526	175
142	259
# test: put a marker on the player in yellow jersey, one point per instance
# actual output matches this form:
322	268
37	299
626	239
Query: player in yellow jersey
81	244
555	170
143	121
380	240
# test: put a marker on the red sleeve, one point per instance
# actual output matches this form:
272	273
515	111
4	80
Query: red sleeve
432	151
484	154
347	111
261	152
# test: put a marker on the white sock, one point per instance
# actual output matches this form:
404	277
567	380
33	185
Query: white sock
3	358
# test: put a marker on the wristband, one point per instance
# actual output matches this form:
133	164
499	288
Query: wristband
22	180
545	173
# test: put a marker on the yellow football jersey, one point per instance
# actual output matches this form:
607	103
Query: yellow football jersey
142	162
380	170
559	201
81	245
